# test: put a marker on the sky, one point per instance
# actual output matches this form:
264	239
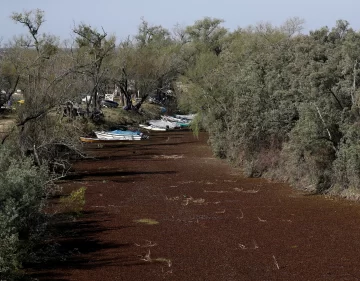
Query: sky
122	17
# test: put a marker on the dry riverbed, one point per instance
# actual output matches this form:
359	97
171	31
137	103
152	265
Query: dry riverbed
166	209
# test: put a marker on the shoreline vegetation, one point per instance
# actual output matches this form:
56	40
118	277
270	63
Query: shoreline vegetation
277	103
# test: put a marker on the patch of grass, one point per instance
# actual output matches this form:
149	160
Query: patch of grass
75	202
119	116
147	221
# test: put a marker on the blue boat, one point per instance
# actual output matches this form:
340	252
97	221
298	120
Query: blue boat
125	132
120	135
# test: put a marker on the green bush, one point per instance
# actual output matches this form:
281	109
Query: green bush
75	201
346	175
306	159
22	198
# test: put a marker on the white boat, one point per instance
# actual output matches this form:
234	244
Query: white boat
171	119
97	140
186	117
112	136
152	128
164	124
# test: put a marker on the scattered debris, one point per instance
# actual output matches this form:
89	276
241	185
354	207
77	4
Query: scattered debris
276	263
146	257
216	191
188	200
242	246
261	220
246	191
148	244
251	191
168	156
242	215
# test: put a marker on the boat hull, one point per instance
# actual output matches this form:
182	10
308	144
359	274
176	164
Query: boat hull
152	128
97	140
112	136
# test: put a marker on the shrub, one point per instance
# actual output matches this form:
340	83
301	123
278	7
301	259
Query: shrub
346	175
75	201
22	198
306	159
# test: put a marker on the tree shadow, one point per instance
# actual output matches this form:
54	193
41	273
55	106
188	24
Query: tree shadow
74	241
170	139
114	174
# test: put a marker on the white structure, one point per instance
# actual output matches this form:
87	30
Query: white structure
109	97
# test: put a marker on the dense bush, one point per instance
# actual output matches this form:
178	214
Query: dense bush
346	177
22	199
281	104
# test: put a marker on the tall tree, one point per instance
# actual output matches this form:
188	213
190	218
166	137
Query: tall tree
43	70
94	48
207	33
148	65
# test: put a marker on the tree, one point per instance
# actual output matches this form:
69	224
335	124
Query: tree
94	48
44	75
293	26
151	33
39	146
149	65
207	33
9	77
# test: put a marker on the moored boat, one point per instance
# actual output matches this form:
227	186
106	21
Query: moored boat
116	136
97	140
152	128
164	124
188	117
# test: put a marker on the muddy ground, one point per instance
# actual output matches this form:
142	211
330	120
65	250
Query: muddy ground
166	209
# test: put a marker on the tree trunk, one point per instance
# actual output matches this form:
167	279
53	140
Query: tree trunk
129	104
122	99
138	105
326	128
354	83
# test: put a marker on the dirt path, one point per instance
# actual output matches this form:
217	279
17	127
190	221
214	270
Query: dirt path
165	209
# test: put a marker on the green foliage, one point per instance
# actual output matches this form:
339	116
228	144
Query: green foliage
207	34
52	141
75	202
95	50
22	199
307	157
280	103
151	34
347	164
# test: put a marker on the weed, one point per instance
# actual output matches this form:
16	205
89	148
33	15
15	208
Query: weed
147	221
75	201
